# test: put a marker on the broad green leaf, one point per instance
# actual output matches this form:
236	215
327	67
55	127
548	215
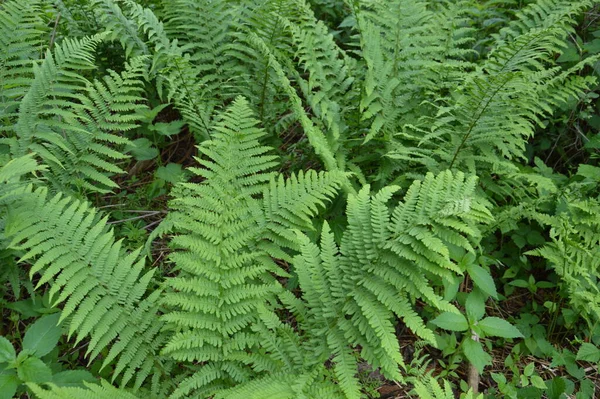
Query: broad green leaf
475	305
7	351
497	327
142	149
167	129
451	321
528	370
588	353
570	54
33	369
475	354
172	173
556	388
72	378
43	335
538	382
482	279
519	283
8	385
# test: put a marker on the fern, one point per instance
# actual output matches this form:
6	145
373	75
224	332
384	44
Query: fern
75	138
226	235
409	48
431	389
120	27
173	69
315	135
352	293
281	284
103	391
102	287
21	36
501	104
328	88
13	188
207	30
574	253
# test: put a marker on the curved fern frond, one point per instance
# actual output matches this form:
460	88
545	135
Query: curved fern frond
70	122
574	253
292	203
489	123
285	386
207	31
315	135
544	14
102	287
386	260
121	28
225	237
223	276
93	391
12	187
21	34
328	89
409	49
174	69
430	388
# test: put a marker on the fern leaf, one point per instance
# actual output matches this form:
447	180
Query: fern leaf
101	286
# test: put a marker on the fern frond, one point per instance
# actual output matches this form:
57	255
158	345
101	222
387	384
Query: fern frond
121	28
93	391
385	261
102	287
12	187
226	233
292	203
316	137
430	388
409	49
499	108
223	277
574	253
544	14
207	31
21	36
174	69
286	386
328	89
75	138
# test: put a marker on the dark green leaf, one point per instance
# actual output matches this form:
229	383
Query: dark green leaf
482	279
7	351
475	354
43	335
588	353
168	129
142	149
33	369
172	173
72	378
475	305
556	388
8	384
451	321
497	327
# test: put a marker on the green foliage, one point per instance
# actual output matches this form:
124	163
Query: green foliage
431	389
101	286
336	180
18	52
223	246
104	391
71	122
